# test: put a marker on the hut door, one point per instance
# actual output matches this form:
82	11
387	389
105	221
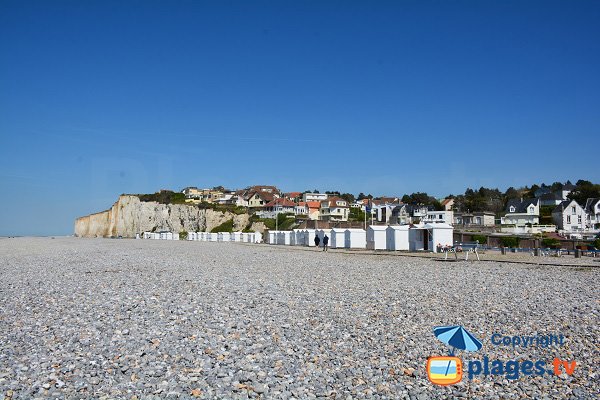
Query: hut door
425	239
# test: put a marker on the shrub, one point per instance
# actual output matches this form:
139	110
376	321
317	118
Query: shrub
479	238
183	235
510	241
164	197
596	244
550	242
226	226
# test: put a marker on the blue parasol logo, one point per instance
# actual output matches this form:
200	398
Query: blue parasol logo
457	337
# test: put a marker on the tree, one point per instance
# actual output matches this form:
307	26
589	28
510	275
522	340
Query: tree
349	197
584	190
532	190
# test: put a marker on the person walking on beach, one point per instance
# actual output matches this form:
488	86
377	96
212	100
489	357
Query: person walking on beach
325	242
317	241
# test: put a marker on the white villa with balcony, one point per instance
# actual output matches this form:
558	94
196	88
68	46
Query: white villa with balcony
522	212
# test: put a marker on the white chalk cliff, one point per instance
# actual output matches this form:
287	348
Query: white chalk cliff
129	216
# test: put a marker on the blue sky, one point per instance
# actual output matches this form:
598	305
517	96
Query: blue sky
99	98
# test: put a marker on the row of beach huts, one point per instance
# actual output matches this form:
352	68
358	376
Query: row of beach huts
422	237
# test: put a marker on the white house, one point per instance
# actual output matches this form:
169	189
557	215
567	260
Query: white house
397	237
569	216
334	209
476	219
592	210
314	197
444	217
522	212
301	208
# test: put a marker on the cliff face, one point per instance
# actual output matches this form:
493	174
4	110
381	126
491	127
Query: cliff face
129	216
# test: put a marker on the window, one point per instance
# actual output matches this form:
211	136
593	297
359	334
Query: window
568	219
579	219
512	209
573	210
531	210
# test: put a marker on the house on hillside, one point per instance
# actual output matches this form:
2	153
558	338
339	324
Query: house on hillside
567	189
400	215
445	217
280	205
301	208
592	210
293	196
551	199
314	196
569	216
195	195
335	209
474	219
448	204
260	199
522	212
314	210
383	207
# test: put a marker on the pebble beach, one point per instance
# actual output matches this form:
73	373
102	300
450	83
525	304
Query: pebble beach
145	319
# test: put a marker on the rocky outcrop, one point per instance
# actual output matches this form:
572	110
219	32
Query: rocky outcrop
129	216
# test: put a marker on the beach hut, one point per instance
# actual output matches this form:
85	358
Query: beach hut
427	237
355	238
376	239
309	237
440	235
257	237
272	238
236	237
397	237
245	237
337	238
287	238
200	236
224	237
299	237
211	237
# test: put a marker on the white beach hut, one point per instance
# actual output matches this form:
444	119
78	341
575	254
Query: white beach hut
376	239
355	238
236	237
211	237
427	237
300	233
337	238
440	235
397	237
309	237
224	236
272	237
257	237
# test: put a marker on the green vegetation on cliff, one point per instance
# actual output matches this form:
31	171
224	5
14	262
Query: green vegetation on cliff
163	197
